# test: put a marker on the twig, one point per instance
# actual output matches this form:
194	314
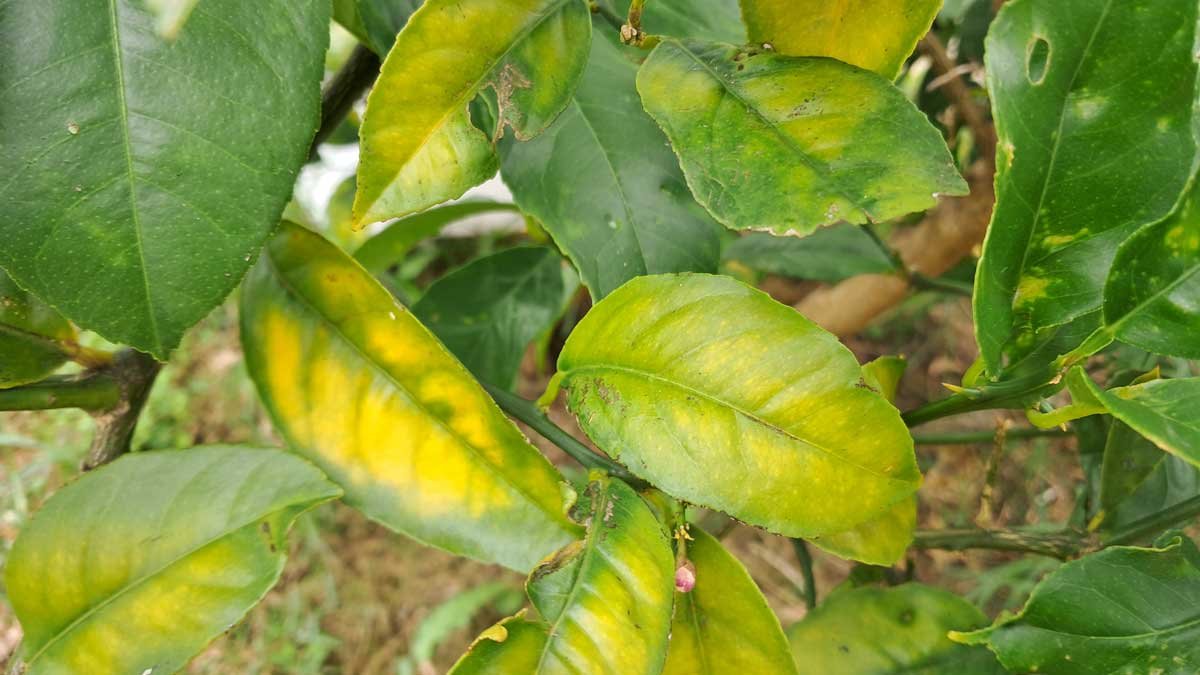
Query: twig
1063	545
347	86
535	419
806	568
601	8
134	373
958	92
93	391
970	437
926	283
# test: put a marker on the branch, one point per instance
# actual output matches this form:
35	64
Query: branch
1063	545
535	419
95	391
969	437
806	568
134	373
344	89
959	94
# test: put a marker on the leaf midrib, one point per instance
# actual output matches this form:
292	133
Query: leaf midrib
741	411
119	68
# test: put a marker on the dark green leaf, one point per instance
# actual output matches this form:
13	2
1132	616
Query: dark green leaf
788	144
829	254
143	175
1138	479
604	184
1093	102
34	339
876	631
1122	610
718	20
136	566
375	22
488	312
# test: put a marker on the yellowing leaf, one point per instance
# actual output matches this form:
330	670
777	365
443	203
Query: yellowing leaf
137	565
418	144
359	386
722	397
724	624
605	601
869	34
788	144
879	541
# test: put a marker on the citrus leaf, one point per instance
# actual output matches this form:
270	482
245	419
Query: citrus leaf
354	382
724	624
1124	609
34	339
1150	296
605	601
604	184
876	36
703	385
487	312
136	566
1138	479
145	174
418	144
389	246
830	254
1091	148
171	15
1165	411
877	631
789	144
374	22
883	540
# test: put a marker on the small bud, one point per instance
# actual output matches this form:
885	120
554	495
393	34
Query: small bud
685	577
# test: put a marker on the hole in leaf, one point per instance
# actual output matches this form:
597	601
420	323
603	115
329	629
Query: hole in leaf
1037	60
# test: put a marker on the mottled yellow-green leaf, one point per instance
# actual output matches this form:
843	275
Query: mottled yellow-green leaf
876	631
136	566
788	144
879	541
705	387
354	382
869	34
724	625
418	144
884	375
605	602
34	338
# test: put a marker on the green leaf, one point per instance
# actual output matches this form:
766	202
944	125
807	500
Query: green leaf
1138	479
34	339
171	15
876	36
788	144
884	375
724	624
145	174
718	20
418	144
354	382
604	184
703	385
1092	146
1165	411
1150	296
830	254
605	601
374	22
877	631
389	246
136	566
487	312
1122	610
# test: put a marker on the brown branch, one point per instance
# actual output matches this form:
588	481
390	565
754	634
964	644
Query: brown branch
134	373
950	77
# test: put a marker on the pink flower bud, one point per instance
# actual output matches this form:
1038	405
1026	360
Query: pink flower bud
685	577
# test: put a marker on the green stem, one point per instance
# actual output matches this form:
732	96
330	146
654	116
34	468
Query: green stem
1063	545
601	8
969	437
941	284
535	419
92	392
1155	523
806	569
346	87
990	396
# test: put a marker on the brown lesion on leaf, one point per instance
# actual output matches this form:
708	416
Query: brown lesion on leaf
505	83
